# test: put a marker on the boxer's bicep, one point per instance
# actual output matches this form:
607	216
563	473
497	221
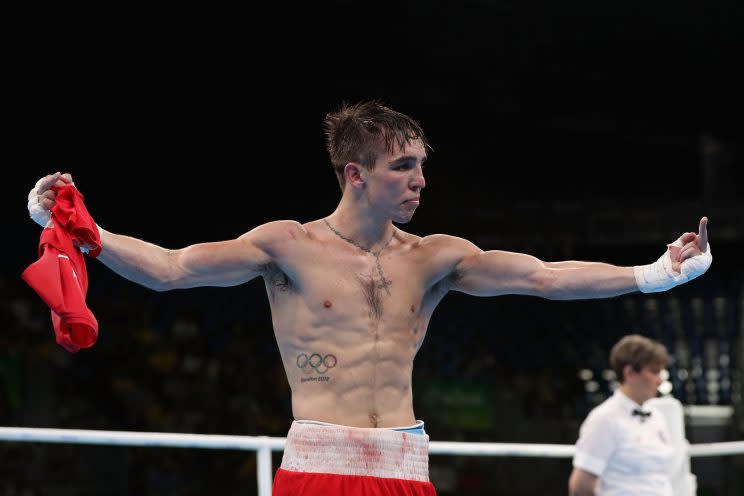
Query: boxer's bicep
223	263
496	272
233	262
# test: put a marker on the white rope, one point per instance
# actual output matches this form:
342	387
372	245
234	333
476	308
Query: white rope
501	449
155	439
255	443
717	449
263	445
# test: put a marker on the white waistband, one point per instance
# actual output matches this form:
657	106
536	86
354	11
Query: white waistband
418	425
336	449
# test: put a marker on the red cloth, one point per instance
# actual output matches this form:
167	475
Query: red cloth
288	483
59	277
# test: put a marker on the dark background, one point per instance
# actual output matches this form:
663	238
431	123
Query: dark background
581	131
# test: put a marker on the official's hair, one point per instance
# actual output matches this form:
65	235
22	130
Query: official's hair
638	352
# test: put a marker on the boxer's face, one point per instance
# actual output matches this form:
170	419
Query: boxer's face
393	186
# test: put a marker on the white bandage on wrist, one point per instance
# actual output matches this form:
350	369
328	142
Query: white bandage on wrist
660	276
697	265
35	211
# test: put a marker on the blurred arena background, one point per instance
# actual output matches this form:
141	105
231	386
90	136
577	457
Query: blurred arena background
581	131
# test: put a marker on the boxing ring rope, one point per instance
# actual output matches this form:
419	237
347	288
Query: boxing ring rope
263	445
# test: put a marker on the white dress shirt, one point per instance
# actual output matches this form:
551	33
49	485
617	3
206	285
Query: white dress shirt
630	454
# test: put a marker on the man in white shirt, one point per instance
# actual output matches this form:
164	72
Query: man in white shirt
624	445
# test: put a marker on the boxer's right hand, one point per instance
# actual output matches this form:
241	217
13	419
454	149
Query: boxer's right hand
41	198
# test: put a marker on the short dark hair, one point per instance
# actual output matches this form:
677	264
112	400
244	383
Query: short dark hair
638	352
360	131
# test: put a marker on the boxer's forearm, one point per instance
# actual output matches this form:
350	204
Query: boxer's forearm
139	261
570	264
590	280
600	279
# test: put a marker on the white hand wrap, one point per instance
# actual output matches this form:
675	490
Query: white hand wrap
659	276
35	211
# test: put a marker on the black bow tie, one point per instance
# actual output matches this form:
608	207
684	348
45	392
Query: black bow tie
643	415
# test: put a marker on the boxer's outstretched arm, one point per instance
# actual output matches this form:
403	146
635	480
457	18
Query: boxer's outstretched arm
491	273
225	263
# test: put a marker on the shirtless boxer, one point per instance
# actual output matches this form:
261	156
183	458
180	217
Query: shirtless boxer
351	296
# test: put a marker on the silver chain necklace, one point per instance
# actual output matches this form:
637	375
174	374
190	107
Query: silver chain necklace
384	283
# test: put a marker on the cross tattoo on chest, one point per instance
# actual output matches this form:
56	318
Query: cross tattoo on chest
384	282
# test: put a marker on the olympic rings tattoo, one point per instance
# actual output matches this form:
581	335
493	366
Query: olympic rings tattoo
315	361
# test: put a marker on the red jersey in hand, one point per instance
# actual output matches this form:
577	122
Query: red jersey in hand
59	277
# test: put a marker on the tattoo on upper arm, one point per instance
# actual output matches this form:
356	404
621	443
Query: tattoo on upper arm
316	366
